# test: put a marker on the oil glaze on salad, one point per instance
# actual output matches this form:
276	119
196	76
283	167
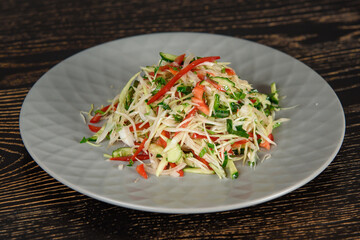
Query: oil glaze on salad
187	114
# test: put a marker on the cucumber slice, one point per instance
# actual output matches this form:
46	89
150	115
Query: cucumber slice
123	152
274	95
167	57
226	160
155	149
225	82
198	170
174	154
232	169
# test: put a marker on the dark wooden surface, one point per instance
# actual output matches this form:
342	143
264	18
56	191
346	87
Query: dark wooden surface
36	35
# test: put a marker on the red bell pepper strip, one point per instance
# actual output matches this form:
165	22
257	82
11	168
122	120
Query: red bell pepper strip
161	141
201	160
94	128
198	91
239	143
200	76
181	172
163	68
181	73
229	71
265	144
141	170
251	135
215	85
140	148
173	71
201	105
252	100
198	136
145	126
189	115
96	118
127	158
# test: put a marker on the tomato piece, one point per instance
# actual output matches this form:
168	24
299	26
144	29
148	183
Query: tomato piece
141	170
94	128
179	59
198	91
201	105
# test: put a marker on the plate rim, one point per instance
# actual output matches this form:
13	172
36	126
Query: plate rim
168	210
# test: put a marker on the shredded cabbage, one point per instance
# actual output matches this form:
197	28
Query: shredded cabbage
230	118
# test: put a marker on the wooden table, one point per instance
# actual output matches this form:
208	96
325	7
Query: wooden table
36	35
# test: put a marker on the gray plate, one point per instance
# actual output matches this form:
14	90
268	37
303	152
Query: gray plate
51	126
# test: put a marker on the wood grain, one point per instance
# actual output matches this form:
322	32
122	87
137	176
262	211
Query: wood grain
36	35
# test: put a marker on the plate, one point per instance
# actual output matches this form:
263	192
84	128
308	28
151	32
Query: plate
51	126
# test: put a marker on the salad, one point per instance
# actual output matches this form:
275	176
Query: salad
187	114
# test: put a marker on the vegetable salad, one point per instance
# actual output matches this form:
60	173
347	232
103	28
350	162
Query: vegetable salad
187	114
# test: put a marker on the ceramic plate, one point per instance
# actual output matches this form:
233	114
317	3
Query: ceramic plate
51	126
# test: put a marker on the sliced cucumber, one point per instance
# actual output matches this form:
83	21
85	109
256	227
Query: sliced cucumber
174	154
225	82
156	149
274	95
226	159
129	97
161	167
232	169
123	152
198	170
168	57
